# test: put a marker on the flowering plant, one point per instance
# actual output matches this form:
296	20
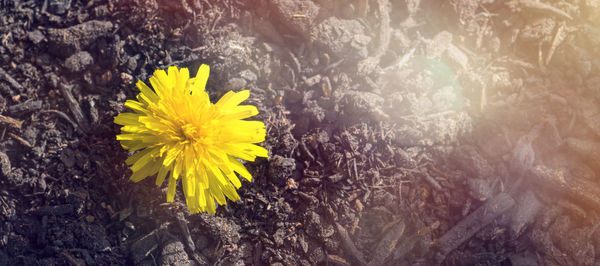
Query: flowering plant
178	132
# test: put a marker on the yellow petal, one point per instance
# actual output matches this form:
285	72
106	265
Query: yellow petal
200	79
217	193
241	112
156	81
210	203
182	78
171	80
202	176
171	189
234	180
133	145
177	168
232	99
136	156
189	188
239	168
172	154
243	131
136	106
125	119
162	173
230	192
147	92
201	197
145	159
129	137
141	174
246	151
153	124
134	129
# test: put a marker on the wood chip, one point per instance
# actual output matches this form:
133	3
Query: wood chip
21	140
75	108
348	245
466	228
10	80
388	243
336	260
582	191
11	122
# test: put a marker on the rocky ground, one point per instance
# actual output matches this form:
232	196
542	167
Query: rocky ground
399	131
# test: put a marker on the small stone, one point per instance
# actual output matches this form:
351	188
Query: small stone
174	253
248	75
480	188
439	44
79	61
358	205
129	226
296	15
281	168
105	78
101	11
59	7
35	36
126	78
311	81
235	84
90	219
343	38
4	164
316	255
361	103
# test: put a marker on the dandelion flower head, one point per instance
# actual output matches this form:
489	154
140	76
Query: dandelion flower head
177	132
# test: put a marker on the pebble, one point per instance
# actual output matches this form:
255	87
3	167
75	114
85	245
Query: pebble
235	84
105	78
173	253
59	7
126	78
35	36
248	75
281	168
343	38
359	103
4	164
288	12
79	61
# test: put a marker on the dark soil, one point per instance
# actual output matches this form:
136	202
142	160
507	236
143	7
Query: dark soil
400	131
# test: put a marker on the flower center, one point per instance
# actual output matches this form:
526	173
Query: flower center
190	132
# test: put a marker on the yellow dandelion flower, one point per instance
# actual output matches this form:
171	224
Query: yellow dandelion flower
178	132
